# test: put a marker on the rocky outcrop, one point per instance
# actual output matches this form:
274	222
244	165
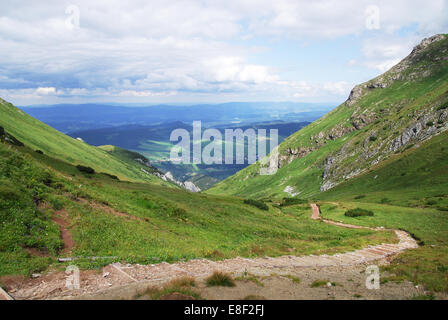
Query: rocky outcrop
354	96
328	163
144	161
360	121
425	43
290	155
291	191
6	137
371	151
425	126
187	185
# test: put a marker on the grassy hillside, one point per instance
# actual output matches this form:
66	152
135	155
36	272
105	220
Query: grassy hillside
39	136
415	178
407	191
382	117
141	222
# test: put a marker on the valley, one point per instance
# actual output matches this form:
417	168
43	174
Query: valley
376	166
154	143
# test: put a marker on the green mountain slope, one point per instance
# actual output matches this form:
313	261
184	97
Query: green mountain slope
382	118
416	177
139	222
39	136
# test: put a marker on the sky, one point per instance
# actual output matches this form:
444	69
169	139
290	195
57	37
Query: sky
204	51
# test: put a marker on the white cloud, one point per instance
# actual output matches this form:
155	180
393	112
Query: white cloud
382	53
146	49
46	91
133	93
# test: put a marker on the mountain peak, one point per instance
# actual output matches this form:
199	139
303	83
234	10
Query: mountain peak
421	63
428	41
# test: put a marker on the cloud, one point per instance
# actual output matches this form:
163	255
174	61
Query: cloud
46	91
382	53
153	49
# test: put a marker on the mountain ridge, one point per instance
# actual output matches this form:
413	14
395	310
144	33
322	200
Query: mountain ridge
403	106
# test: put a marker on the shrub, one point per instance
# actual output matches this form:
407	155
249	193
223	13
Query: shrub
183	282
361	196
385	200
111	176
39	152
358	212
219	279
256	203
292	201
373	138
442	107
85	169
429	124
177	289
319	283
293	278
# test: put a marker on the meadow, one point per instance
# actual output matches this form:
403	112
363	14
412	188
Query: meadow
141	222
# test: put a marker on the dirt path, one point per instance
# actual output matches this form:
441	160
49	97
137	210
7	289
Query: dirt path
316	211
117	275
60	218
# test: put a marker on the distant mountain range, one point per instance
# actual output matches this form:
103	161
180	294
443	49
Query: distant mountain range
147	129
70	118
154	143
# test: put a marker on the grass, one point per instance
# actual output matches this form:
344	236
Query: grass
249	277
143	222
423	183
425	265
38	136
219	279
293	278
182	288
